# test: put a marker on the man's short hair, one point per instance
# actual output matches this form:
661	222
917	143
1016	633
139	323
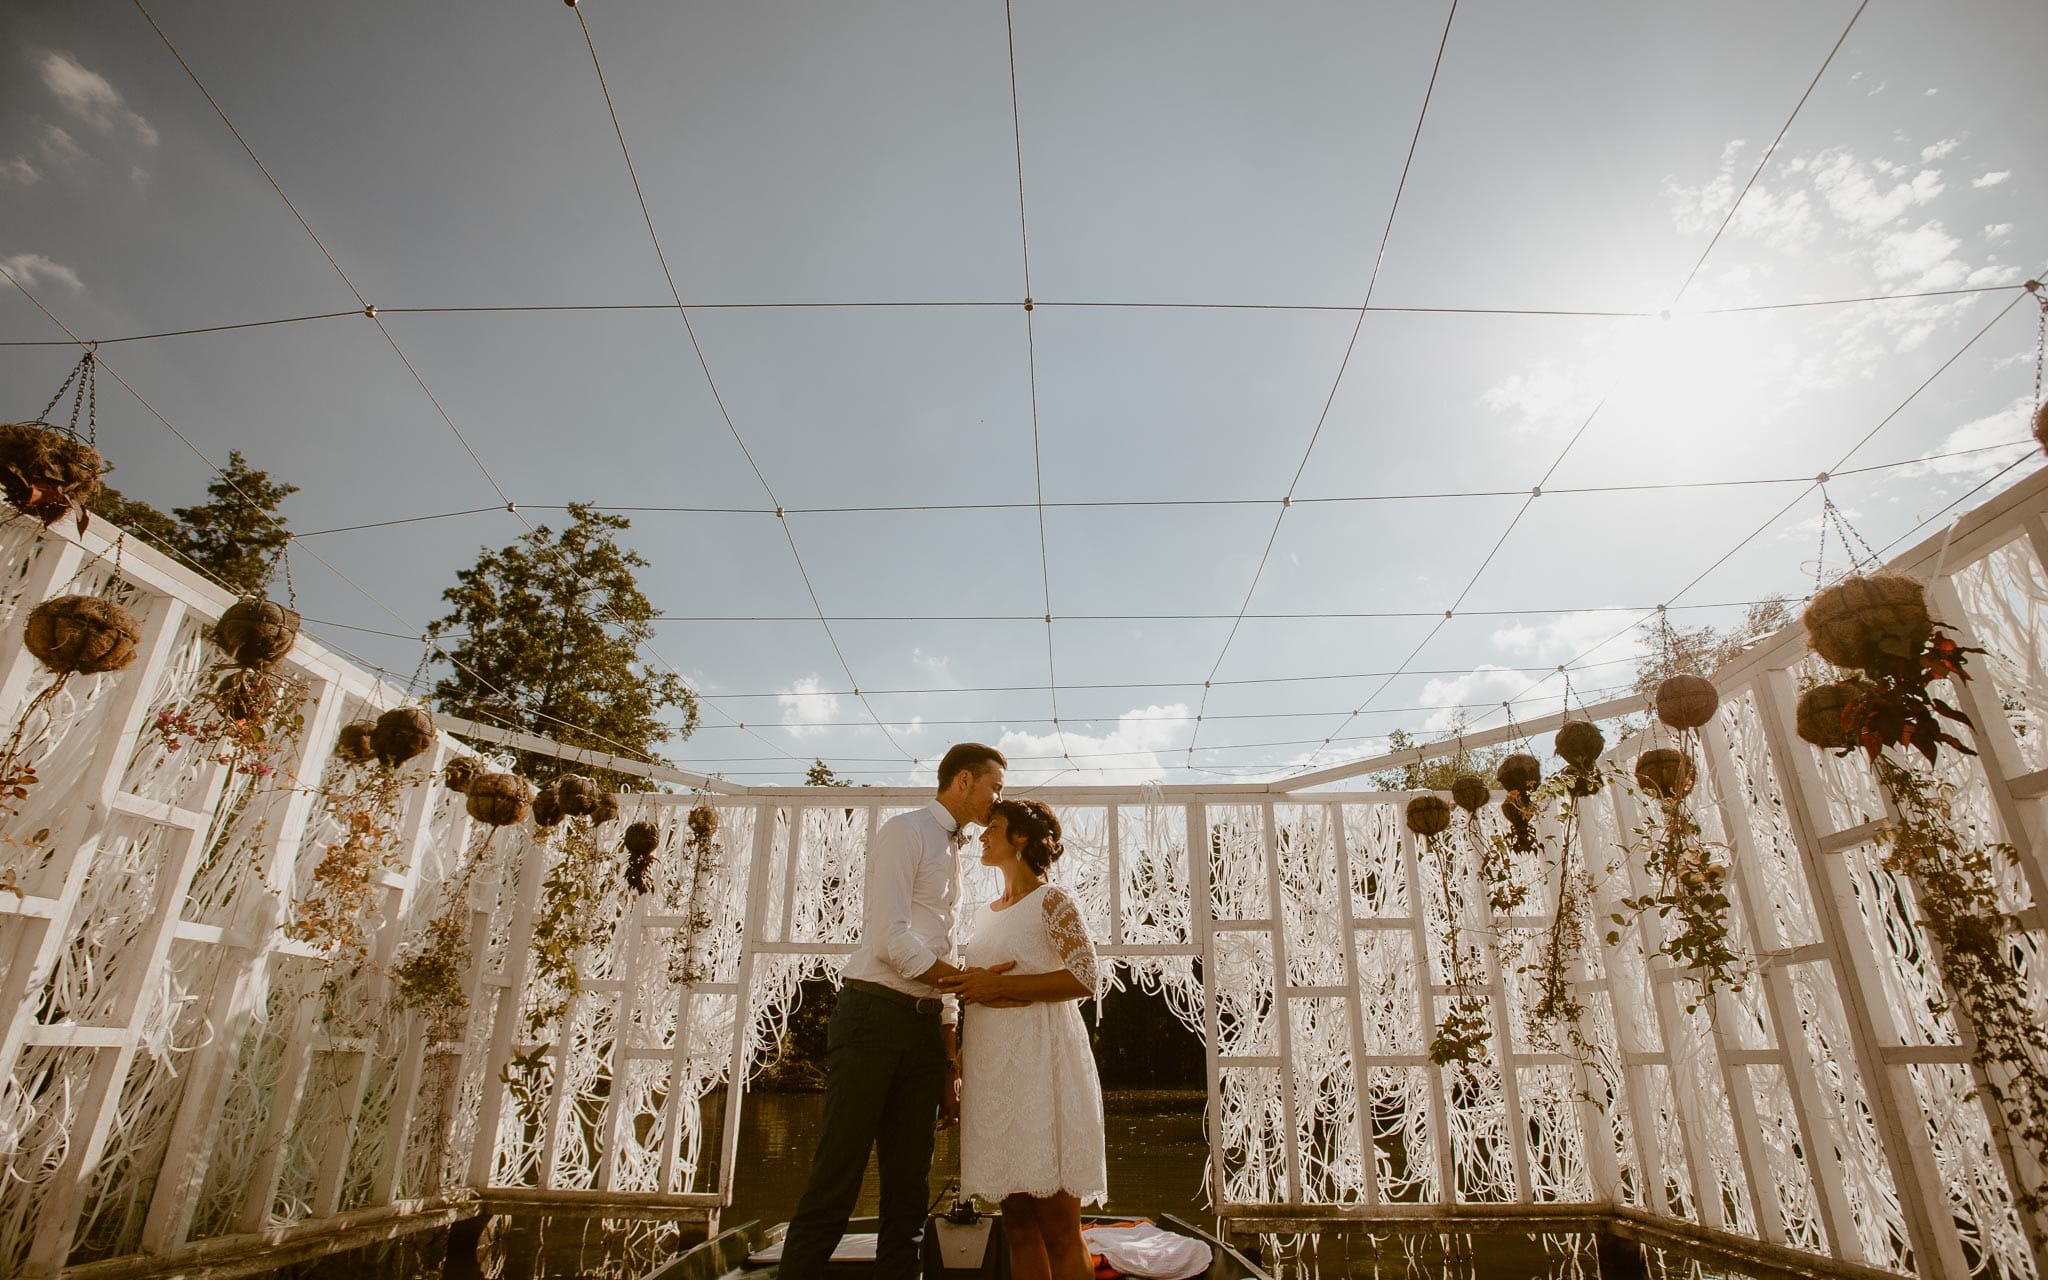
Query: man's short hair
968	755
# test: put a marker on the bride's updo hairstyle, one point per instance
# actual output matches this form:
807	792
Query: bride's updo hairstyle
1040	829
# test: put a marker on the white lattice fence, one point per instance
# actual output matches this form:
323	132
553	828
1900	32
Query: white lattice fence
176	1069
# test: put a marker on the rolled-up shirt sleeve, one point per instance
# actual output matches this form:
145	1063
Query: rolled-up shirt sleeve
891	880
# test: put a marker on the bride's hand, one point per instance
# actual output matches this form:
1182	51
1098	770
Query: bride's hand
982	986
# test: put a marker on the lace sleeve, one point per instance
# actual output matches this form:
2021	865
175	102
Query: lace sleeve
1069	935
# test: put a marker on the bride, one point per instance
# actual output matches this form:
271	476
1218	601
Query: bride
1031	1108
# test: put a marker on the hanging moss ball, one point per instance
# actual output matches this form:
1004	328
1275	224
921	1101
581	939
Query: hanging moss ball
403	733
256	633
1470	792
642	838
547	809
248	696
1820	711
1687	701
356	744
1579	743
500	799
1519	772
47	473
577	794
1428	815
459	772
703	822
1860	621
2041	426
81	635
1665	773
605	809
1517	808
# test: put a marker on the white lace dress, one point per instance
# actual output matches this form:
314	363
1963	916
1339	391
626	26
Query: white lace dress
1030	1105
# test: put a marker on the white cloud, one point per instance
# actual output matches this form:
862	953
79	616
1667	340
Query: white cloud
1486	683
1991	179
2007	426
1568	635
1995	231
1541	396
35	270
19	170
1939	149
1920	257
1128	753
805	705
60	148
89	95
1855	198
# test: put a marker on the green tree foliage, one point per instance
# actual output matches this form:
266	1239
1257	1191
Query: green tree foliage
237	534
233	537
1437	774
1700	651
820	775
546	637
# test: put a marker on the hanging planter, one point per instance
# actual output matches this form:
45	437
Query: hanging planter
1820	713
402	734
576	794
460	771
643	839
82	635
1470	793
1666	774
569	918
249	719
1519	775
257	633
1520	772
356	743
547	809
1686	702
499	799
1557	1005
1428	816
606	809
1862	621
47	474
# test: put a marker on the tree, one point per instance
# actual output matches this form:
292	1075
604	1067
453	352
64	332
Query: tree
237	535
1437	774
547	635
1701	650
820	775
137	517
234	537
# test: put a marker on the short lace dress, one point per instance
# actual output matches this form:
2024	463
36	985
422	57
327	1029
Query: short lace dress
1031	1107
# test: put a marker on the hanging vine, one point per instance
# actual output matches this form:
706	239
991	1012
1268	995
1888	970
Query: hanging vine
1463	1033
432	974
367	800
570	914
1579	743
690	899
1879	627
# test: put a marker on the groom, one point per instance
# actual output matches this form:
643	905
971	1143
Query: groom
892	1059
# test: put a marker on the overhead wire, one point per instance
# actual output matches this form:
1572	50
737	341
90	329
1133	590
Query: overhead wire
1351	345
368	309
998	304
1537	490
639	195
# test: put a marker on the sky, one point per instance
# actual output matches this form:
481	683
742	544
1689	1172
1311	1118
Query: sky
1253	278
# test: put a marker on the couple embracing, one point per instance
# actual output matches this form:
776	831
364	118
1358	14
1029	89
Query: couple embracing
1017	1076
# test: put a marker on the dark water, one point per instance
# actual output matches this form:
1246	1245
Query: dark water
1156	1152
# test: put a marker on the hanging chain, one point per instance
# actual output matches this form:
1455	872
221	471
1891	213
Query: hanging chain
419	673
84	376
291	592
2040	340
1521	739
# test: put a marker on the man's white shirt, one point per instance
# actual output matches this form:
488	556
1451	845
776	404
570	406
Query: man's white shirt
911	892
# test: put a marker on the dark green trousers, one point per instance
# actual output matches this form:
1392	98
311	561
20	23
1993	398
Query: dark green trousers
885	1070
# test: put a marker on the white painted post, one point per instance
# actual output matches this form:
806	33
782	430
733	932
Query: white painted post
1354	1009
1930	1220
743	997
1425	1012
1283	1005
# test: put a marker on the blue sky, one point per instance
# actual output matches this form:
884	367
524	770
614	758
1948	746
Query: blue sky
1574	157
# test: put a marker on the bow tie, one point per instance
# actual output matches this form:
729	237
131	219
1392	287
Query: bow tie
958	839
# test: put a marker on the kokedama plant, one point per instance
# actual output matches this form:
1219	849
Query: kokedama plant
1463	1032
643	841
1691	892
1580	743
1880	627
570	902
247	718
48	472
69	635
1504	889
430	975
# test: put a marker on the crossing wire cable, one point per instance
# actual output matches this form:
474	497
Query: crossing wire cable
1537	490
633	173
1382	309
1379	260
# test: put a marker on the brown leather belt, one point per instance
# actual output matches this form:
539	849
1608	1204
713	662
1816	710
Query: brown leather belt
916	1004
